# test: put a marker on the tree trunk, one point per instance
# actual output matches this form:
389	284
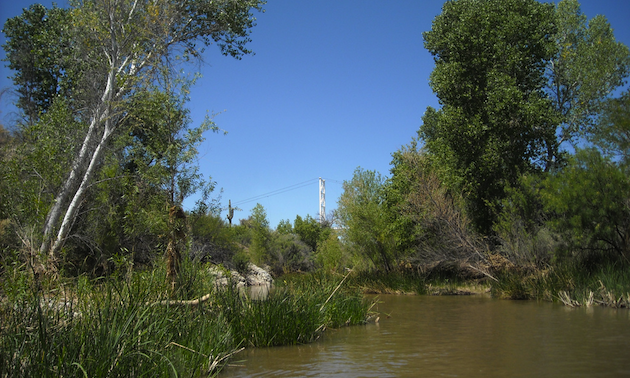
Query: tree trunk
83	169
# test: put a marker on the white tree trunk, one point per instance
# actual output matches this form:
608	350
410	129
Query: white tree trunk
78	166
73	207
83	170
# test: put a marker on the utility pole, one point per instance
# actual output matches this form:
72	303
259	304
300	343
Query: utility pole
322	200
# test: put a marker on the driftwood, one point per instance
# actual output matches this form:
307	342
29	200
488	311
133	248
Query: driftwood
173	302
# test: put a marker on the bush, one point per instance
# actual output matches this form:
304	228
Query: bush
522	236
429	219
290	254
590	203
330	255
241	262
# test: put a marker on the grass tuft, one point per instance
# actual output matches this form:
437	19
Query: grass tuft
113	327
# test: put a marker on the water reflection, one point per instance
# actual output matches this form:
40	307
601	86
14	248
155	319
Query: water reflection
459	337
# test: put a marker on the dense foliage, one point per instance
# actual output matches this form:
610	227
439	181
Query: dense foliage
98	82
521	177
524	165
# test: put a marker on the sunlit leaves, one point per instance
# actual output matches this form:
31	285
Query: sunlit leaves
362	214
590	201
589	65
494	123
613	131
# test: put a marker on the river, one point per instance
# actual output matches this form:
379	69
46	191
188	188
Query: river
458	336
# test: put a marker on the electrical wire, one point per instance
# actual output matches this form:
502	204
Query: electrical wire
278	191
283	190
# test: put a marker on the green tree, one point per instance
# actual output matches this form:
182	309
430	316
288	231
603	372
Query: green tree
330	255
364	220
613	133
154	169
495	122
290	254
427	218
119	48
261	243
38	50
310	231
588	66
284	227
590	199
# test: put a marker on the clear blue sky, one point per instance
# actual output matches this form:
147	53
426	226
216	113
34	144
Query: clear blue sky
334	84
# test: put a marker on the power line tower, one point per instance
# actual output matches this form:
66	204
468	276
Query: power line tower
322	200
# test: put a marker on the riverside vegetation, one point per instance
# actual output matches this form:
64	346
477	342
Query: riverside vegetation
518	185
126	325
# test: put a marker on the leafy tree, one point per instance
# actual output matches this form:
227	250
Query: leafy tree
290	254
119	48
154	168
495	122
212	238
364	220
284	227
38	50
310	230
613	133
521	230
330	255
426	217
588	66
33	172
591	202
261	243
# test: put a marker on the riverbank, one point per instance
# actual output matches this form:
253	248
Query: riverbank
130	324
573	283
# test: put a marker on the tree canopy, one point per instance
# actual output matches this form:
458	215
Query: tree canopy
494	122
109	62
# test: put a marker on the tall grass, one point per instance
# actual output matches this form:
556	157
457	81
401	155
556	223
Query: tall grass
393	282
295	312
574	283
106	329
435	279
113	327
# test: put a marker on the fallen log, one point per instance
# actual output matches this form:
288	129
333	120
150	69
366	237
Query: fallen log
174	302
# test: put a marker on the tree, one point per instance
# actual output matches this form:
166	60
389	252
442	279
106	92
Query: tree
364	220
427	218
588	66
120	47
310	231
330	255
38	48
591	204
495	122
261	235
613	133
284	227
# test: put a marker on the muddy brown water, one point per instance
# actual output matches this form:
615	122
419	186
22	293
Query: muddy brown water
458	336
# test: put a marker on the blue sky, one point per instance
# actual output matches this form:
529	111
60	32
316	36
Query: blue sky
334	85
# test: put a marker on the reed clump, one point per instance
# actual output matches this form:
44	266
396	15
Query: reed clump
572	283
441	278
131	325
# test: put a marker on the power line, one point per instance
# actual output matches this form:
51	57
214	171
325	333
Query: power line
283	190
333	180
278	191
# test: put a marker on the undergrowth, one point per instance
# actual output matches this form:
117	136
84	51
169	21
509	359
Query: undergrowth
574	283
129	324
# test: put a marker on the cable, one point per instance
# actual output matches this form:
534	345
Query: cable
283	190
277	191
333	180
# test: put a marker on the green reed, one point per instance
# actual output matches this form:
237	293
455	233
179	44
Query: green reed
573	283
123	326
